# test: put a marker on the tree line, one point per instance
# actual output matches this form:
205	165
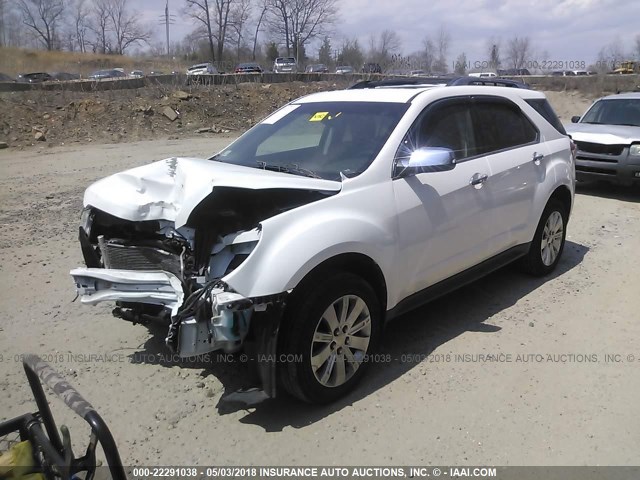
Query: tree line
263	29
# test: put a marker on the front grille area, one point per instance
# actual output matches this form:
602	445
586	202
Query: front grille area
581	156
602	171
600	149
134	257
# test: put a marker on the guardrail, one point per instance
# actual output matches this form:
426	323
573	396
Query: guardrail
594	83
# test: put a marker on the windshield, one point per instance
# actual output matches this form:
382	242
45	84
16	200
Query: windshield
623	111
319	140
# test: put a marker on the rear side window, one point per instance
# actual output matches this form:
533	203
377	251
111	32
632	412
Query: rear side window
500	126
544	108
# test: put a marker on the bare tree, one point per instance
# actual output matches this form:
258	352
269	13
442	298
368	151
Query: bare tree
100	26
239	16
200	12
78	26
126	27
222	16
383	46
442	40
518	52
298	21
428	55
351	54
3	14
493	54
264	7
638	47
460	67
42	17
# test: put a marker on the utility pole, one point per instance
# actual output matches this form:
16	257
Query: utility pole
167	19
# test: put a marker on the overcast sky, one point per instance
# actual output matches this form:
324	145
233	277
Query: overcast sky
566	29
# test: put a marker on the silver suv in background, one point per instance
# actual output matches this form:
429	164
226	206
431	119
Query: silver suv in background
202	69
285	65
608	140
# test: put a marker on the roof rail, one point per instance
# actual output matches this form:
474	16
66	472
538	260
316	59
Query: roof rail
433	81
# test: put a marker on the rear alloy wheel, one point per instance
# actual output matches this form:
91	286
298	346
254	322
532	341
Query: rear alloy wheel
330	328
552	238
548	241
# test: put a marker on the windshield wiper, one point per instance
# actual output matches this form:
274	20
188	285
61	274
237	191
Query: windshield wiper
288	168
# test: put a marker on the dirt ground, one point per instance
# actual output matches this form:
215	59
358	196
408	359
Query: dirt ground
561	388
67	117
44	119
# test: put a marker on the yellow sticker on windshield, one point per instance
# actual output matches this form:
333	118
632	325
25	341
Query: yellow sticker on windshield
318	117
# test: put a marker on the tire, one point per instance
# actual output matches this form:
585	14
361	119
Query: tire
548	241
331	360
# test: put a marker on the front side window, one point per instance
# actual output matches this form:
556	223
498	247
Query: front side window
445	124
324	140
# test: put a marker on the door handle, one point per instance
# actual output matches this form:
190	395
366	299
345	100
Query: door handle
537	157
478	179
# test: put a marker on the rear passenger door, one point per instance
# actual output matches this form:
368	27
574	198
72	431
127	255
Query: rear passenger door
511	143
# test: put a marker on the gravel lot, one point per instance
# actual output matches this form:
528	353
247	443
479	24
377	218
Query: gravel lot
552	398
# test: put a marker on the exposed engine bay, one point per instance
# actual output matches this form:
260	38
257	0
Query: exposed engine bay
160	239
155	271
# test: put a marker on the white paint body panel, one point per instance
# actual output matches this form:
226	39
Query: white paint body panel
418	230
170	189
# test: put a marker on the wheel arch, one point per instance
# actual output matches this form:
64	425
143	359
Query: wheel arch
563	195
356	263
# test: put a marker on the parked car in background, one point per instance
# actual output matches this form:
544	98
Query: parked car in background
136	73
340	211
344	69
371	68
316	68
106	74
285	65
608	140
513	72
202	69
249	67
417	73
6	78
483	74
563	73
64	76
37	77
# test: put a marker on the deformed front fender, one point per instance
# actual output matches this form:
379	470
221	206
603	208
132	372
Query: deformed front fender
294	243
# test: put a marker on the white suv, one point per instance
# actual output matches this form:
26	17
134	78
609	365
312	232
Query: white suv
336	213
285	65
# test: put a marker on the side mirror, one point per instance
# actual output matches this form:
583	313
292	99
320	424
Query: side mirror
575	119
424	160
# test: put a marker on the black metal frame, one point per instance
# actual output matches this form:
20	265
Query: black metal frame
53	455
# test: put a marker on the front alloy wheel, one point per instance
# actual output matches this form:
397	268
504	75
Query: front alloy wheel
331	325
340	341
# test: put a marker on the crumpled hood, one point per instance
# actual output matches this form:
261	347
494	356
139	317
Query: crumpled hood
170	189
603	134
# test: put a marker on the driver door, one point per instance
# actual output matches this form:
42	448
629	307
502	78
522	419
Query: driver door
443	216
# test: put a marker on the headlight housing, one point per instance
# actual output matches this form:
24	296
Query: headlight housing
635	149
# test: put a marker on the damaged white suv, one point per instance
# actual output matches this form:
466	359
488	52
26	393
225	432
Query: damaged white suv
336	213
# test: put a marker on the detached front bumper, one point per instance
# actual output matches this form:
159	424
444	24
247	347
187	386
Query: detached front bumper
221	320
95	285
